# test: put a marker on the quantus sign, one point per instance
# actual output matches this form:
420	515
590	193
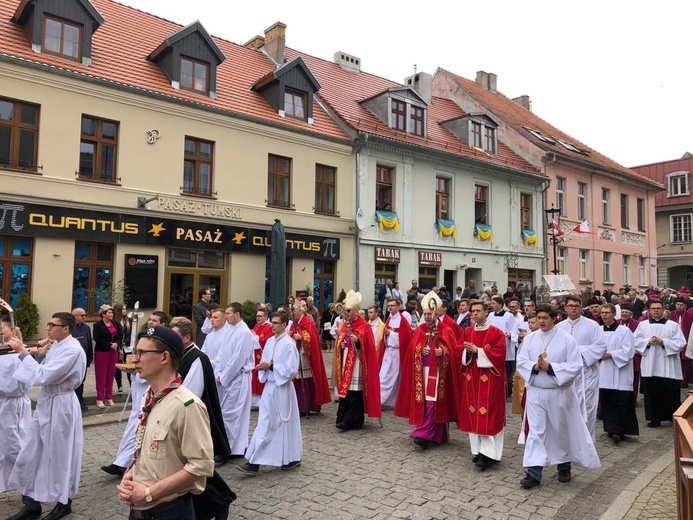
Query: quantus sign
17	218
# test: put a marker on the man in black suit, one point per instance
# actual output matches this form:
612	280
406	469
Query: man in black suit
637	305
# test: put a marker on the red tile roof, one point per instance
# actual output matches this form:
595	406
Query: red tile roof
519	117
119	51
344	90
658	172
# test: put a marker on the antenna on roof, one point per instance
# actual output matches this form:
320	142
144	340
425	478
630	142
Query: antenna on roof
414	68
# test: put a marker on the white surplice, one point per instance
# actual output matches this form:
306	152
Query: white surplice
138	387
557	430
590	340
389	370
213	342
15	413
506	323
277	438
232	369
617	373
49	464
658	360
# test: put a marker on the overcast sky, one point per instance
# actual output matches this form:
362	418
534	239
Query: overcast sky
613	74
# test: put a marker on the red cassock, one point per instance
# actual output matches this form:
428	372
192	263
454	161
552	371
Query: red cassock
264	332
453	326
405	335
482	403
411	397
311	346
370	369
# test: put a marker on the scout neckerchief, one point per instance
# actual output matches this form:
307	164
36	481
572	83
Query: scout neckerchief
149	402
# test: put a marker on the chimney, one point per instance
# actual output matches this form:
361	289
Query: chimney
487	80
347	62
421	82
275	42
254	43
524	102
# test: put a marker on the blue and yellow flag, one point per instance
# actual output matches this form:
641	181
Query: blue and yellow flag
529	238
483	232
387	220
446	228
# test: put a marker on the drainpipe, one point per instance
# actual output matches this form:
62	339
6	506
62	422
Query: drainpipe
547	163
361	141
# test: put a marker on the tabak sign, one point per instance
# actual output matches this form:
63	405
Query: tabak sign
430	258
386	255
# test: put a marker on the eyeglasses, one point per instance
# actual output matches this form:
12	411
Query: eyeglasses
50	325
137	353
572	306
277	323
80	315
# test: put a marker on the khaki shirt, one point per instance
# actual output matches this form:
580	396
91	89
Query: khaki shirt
177	437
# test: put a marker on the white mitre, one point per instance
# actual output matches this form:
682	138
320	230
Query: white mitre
431	301
352	300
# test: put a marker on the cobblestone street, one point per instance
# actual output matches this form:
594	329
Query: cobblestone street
378	473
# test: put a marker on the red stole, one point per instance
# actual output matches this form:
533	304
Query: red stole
411	397
404	331
369	364
311	346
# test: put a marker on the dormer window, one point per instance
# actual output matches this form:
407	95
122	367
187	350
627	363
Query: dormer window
477	131
289	90
295	104
62	29
677	184
407	117
62	38
189	58
194	75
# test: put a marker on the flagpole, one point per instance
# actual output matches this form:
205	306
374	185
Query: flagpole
554	238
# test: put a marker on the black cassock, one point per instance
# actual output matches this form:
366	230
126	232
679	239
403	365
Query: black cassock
214	501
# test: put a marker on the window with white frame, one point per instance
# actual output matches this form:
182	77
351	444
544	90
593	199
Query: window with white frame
643	270
582	201
560	195
607	267
443	206
584	265
561	255
625	221
526	210
640	207
677	184
606	206
681	228
626	269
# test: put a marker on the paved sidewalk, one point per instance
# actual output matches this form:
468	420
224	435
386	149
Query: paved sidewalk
378	473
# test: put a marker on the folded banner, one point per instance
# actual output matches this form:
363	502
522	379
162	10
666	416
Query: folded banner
483	232
529	238
446	228
387	220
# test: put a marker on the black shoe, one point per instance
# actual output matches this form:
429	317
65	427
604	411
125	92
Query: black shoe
59	511
250	469
564	476
219	461
84	407
421	443
236	456
654	424
116	471
482	463
529	482
291	465
615	438
684	385
475	458
340	426
29	511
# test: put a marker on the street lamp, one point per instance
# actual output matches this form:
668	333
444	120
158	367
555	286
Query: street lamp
553	219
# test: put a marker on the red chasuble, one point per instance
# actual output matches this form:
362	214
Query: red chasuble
405	334
369	364
482	405
310	341
411	397
453	326
264	332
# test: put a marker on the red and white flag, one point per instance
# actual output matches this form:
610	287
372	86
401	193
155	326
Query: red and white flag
556	229
584	228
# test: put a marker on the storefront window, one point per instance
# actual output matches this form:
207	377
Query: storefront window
16	255
428	278
93	276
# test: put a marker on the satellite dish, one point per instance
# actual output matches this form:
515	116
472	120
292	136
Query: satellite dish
360	219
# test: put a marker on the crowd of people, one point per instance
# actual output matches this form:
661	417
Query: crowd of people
433	358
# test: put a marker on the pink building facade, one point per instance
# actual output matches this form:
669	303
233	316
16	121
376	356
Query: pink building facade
617	203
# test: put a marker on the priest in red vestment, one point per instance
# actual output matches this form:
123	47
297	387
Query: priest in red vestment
262	331
355	368
428	386
391	352
482	404
446	320
312	388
